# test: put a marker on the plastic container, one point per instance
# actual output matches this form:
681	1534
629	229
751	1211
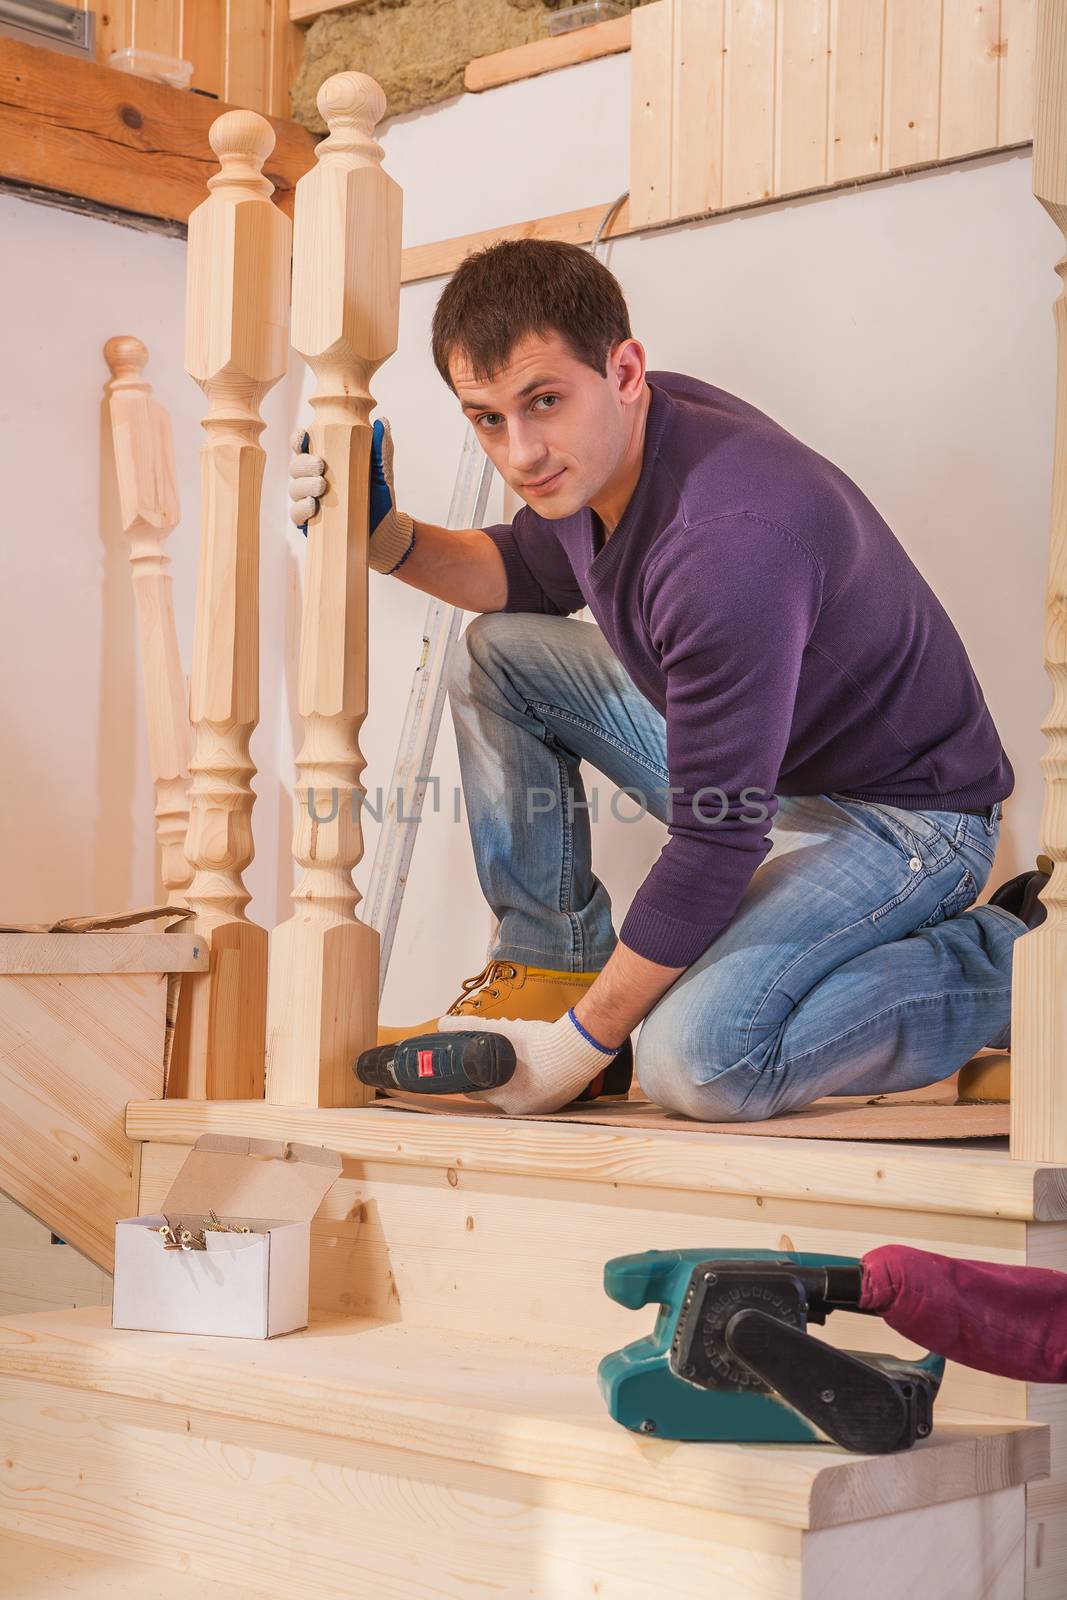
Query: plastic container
584	15
150	64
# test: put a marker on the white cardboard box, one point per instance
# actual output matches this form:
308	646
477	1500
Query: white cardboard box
252	1285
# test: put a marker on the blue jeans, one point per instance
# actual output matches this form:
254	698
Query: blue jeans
852	965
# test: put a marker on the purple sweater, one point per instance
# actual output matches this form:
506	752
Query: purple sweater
762	605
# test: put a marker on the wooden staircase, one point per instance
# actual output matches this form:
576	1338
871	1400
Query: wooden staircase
437	1431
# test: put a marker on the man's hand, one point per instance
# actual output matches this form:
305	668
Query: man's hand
554	1062
392	531
307	481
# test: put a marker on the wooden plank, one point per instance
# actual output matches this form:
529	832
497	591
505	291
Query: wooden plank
287	49
547	55
308	1517
122	141
855	115
73	1052
249	48
969	72
204	44
423	261
1015	95
25	953
114	26
651	112
38	1275
157	26
308	10
802	87
517	1408
1039	976
696	135
955	1182
749	49
912	82
275	1523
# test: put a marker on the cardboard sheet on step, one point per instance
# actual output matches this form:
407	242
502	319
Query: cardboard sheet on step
919	1114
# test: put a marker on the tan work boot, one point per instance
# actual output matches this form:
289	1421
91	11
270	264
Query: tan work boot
985	1080
529	994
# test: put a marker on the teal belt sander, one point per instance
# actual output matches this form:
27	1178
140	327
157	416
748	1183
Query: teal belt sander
730	1357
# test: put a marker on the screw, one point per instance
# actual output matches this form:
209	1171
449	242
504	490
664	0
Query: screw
709	1277
648	1426
923	1429
687	1372
827	1397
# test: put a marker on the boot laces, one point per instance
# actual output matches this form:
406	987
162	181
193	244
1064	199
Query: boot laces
492	972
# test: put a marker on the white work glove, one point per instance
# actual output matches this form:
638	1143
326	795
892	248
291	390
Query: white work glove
553	1062
392	532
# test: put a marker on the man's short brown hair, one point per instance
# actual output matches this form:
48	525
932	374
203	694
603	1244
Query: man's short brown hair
528	286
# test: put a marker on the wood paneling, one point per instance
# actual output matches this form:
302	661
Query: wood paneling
748	101
739	101
803	79
122	141
856	67
970	68
912	92
242	51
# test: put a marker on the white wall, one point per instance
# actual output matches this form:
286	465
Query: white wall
903	329
76	824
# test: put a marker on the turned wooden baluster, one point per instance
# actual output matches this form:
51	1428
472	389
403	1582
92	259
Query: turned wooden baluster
1039	980
346	292
149	506
236	348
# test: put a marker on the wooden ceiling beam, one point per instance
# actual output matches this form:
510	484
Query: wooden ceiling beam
108	137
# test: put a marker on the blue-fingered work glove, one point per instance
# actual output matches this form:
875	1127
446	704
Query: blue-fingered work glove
392	531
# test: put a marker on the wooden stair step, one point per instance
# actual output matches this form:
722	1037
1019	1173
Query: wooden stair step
516	1407
307	1460
973	1178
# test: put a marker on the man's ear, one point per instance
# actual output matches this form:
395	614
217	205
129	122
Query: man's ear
627	364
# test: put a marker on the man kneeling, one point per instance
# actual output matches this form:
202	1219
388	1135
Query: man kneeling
767	660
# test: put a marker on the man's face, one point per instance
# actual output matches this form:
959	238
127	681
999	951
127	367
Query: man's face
555	430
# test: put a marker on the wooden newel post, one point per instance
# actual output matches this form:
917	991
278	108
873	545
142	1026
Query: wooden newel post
149	506
1039	980
236	348
346	294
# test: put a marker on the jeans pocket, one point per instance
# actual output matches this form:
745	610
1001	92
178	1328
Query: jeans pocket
958	899
884	820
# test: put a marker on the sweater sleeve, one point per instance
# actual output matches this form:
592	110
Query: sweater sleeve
730	608
540	577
